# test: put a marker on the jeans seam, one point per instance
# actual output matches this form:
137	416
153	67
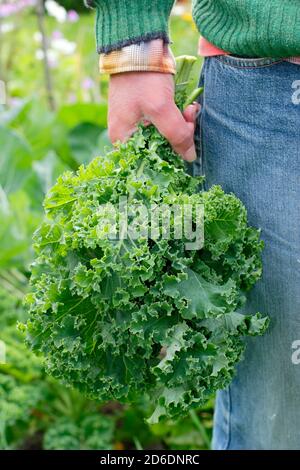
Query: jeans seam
253	66
198	131
199	143
229	420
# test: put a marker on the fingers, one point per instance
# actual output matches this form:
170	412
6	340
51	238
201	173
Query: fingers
177	129
148	97
191	112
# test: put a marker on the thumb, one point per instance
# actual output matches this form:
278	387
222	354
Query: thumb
173	126
190	113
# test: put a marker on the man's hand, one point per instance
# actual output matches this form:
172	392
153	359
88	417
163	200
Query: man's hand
149	96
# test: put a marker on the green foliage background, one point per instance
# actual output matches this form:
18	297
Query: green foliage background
36	146
77	5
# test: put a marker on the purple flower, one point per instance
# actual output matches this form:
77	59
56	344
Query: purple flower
72	98
72	16
8	8
88	83
15	102
57	34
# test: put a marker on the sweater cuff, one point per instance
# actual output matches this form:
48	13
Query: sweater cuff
121	23
152	56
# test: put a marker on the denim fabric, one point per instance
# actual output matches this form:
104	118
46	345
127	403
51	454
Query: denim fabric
248	140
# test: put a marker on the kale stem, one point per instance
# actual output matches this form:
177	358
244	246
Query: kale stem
184	65
137	443
141	168
193	96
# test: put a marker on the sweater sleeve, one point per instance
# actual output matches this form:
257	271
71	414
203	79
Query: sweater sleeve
120	23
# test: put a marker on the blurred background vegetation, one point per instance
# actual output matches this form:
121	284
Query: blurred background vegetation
54	119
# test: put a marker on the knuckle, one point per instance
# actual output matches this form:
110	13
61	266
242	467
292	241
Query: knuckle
156	108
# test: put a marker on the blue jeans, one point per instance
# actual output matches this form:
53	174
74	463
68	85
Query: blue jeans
248	140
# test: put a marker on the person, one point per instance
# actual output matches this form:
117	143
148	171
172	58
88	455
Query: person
247	139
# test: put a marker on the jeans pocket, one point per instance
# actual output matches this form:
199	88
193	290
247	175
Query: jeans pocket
248	62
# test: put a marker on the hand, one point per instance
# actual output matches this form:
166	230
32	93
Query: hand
136	97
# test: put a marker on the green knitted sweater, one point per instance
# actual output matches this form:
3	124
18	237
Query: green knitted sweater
256	28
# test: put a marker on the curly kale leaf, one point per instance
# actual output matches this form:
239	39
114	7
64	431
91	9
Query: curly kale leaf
118	318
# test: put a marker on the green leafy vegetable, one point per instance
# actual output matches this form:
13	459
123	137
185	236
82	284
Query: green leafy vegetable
92	433
119	317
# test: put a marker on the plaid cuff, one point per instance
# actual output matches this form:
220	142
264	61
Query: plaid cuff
152	56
